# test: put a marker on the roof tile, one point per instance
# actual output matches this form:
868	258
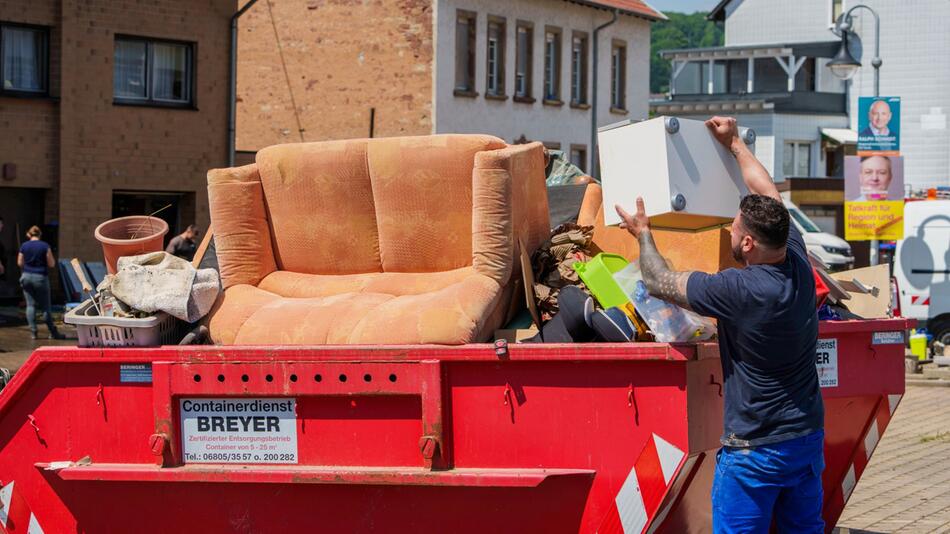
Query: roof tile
636	7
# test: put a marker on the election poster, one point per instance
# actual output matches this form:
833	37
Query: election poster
873	177
879	120
866	221
874	197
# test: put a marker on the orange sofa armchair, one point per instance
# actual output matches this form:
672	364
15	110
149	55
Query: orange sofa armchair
374	241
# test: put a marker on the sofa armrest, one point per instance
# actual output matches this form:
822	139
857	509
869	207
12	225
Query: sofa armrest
509	204
590	213
241	232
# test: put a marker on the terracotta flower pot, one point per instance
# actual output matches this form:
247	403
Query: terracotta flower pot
129	236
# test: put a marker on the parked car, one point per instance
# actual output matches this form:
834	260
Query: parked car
834	252
922	266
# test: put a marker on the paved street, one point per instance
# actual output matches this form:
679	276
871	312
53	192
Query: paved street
15	342
906	487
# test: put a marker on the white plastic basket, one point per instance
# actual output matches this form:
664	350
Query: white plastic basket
95	331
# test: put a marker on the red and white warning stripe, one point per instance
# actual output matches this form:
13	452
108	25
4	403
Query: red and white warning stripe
866	448
925	301
15	515
643	491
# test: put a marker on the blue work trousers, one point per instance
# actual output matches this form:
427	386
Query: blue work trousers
780	481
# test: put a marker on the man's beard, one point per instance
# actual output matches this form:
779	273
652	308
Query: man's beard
737	254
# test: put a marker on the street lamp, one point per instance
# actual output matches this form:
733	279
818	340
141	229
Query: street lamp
845	66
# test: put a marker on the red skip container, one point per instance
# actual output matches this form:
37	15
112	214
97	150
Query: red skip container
584	438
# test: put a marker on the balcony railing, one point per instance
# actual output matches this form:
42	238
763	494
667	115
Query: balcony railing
794	101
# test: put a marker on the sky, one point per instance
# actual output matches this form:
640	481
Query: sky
683	6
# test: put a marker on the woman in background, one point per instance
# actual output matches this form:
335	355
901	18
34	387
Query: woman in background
35	259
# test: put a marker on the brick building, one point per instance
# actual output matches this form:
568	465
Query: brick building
108	108
311	70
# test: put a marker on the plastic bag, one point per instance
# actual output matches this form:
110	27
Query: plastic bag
668	322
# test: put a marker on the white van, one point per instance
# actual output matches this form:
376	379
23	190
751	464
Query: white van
922	266
834	252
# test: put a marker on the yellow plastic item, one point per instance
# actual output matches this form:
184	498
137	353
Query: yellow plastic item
918	345
598	275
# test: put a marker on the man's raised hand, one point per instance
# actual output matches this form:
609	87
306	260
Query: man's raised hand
724	129
637	222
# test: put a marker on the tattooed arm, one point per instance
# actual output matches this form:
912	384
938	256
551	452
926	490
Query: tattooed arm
661	281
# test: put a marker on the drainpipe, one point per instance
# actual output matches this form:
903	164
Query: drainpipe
594	160
232	79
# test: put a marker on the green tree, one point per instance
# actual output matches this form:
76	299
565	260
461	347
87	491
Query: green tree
680	31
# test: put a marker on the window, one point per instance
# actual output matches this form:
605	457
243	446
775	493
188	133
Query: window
824	217
804	221
24	58
465	53
523	57
579	69
796	159
837	9
495	82
579	156
176	209
737	75
769	76
618	77
153	72
552	64
805	77
690	80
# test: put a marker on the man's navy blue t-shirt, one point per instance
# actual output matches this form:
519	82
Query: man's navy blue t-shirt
767	333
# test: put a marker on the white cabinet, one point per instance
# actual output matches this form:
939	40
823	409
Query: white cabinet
687	179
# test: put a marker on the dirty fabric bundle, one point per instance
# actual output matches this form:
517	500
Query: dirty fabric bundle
553	264
158	281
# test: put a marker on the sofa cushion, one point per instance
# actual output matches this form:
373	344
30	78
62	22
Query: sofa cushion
320	204
463	312
297	285
422	187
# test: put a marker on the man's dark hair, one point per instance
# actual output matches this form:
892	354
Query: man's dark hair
766	219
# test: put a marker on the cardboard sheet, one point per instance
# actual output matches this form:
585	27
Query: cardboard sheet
527	274
873	305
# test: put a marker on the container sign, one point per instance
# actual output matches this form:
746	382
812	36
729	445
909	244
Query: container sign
827	362
239	430
135	373
887	338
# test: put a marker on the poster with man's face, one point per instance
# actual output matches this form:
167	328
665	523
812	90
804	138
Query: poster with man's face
868	178
879	120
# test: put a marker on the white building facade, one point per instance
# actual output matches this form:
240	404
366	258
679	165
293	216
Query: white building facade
916	66
523	70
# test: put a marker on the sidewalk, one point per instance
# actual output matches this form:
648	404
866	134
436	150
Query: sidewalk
15	343
906	487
